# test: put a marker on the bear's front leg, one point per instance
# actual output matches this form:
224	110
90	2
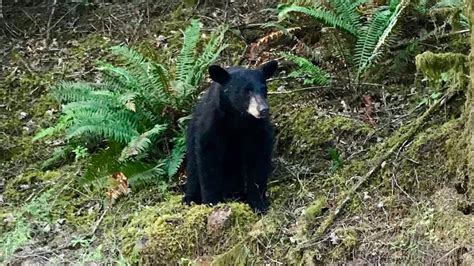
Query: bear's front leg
209	157
258	170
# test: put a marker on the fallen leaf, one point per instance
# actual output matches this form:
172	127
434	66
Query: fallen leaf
120	186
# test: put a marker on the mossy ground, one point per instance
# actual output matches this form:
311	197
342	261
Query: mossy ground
413	211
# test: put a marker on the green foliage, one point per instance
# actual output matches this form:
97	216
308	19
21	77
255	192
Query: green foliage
343	14
312	73
37	211
372	36
453	11
135	110
375	35
177	155
336	161
15	239
59	155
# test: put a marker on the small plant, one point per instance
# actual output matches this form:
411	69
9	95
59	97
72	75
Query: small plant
35	212
336	161
137	112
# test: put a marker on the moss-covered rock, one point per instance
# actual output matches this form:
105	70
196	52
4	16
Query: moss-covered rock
171	232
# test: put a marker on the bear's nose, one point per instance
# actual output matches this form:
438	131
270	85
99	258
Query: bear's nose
264	112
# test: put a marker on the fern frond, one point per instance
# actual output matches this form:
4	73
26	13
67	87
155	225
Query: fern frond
90	110
146	177
121	75
130	55
375	36
61	125
66	92
149	75
347	9
448	3
307	69
108	131
210	54
323	15
142	143
173	163
186	57
119	126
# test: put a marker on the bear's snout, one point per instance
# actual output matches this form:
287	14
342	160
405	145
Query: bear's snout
258	106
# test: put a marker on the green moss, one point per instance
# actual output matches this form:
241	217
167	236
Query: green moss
425	141
347	239
435	223
19	188
422	164
448	67
315	208
170	231
92	46
304	131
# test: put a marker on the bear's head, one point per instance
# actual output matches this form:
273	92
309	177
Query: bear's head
246	89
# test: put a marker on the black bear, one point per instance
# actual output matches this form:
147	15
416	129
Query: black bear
230	139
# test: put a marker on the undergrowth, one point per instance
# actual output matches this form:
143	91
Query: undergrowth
135	116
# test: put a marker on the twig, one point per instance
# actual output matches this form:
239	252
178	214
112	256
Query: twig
298	90
434	33
61	18
48	26
418	123
447	254
99	221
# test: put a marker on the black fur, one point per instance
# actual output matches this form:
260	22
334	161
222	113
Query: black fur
228	150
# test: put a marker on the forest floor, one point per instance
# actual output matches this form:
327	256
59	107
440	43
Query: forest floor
364	173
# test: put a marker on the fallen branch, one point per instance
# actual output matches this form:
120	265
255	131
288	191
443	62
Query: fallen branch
417	125
298	90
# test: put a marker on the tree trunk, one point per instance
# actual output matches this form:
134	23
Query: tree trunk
470	108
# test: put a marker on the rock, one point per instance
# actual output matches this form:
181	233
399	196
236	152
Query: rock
218	221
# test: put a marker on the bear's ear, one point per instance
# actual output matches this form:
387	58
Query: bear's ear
268	69
218	74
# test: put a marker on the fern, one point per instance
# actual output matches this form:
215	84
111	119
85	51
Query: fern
343	16
135	110
314	74
146	177
448	3
114	132
141	143
173	163
212	50
61	125
375	35
149	75
348	10
66	92
185	61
